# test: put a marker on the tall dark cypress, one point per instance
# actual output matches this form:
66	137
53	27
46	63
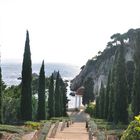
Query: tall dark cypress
106	105
136	86
41	113
26	92
58	111
51	101
101	101
130	68
111	97
1	107
88	93
112	90
63	96
97	108
120	89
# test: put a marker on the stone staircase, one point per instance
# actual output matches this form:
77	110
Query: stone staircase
75	131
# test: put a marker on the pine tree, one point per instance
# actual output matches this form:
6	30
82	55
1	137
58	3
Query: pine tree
88	92
106	105
102	100
41	94
26	92
58	111
136	86
1	107
120	113
51	101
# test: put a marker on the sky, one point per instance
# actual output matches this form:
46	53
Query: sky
63	31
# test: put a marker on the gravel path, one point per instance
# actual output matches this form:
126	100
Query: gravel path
79	116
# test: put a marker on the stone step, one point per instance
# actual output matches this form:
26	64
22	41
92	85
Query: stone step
76	131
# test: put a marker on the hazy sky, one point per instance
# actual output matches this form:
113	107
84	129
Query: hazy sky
69	31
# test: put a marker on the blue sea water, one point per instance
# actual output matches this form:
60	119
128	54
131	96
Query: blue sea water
12	71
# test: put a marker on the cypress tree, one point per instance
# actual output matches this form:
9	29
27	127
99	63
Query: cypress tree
97	110
58	111
41	94
130	68
106	105
102	100
64	100
111	90
136	85
120	89
51	101
88	92
1	107
111	98
26	92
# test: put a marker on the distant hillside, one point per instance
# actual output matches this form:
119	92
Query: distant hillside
99	66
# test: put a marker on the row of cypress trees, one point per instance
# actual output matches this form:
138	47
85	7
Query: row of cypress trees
113	101
26	84
57	92
26	91
57	101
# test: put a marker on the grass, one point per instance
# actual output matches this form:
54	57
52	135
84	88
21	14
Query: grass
13	129
60	119
17	131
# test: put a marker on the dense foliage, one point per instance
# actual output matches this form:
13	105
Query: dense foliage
90	109
11	104
133	130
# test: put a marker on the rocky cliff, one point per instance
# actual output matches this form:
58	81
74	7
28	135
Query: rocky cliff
99	66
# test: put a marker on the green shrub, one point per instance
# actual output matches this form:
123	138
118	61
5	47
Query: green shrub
33	125
133	130
90	109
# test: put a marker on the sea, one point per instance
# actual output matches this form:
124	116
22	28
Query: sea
11	73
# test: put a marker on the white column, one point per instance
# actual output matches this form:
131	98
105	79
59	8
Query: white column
79	101
75	101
